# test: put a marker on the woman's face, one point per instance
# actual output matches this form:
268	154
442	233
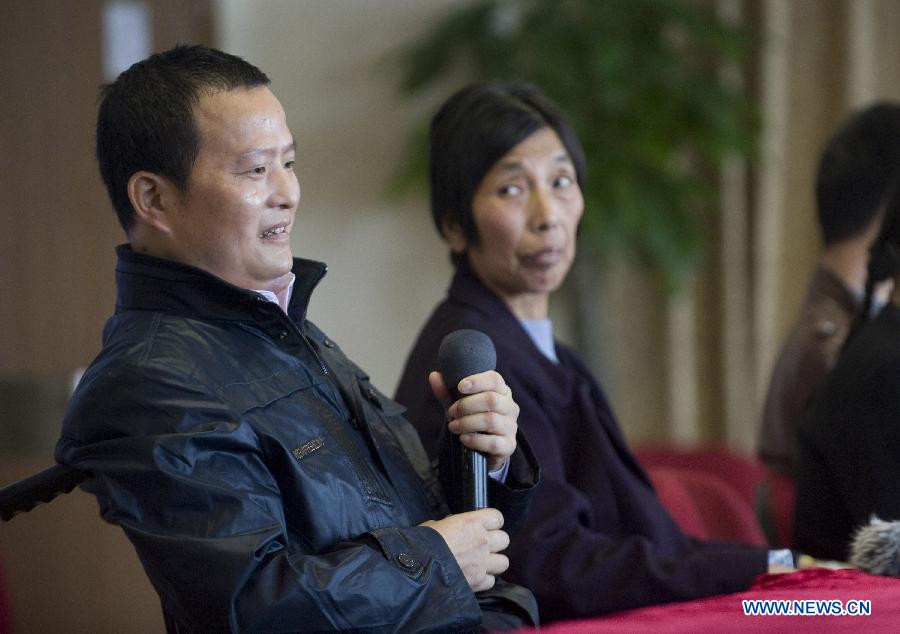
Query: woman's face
526	212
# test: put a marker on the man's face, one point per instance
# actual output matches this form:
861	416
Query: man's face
235	217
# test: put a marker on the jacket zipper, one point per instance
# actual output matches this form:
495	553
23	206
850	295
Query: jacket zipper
308	344
312	350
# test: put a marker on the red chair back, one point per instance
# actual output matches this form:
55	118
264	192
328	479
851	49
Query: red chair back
706	506
775	508
677	499
743	473
770	494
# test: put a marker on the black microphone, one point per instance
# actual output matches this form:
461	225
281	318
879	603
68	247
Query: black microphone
463	353
875	548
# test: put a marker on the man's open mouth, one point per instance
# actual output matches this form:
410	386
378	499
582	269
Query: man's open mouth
273	231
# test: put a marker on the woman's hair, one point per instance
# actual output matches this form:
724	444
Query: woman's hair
473	130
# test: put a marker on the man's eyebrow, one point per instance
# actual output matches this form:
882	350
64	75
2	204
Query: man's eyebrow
266	151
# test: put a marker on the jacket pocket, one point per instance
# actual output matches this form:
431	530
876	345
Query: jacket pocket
247	395
372	394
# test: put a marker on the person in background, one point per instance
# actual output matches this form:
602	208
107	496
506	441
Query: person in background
266	485
506	172
849	449
855	171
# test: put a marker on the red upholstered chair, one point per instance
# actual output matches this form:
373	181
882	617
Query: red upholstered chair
677	499
770	495
706	506
775	508
743	473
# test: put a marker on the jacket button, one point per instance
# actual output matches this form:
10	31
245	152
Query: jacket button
328	343
282	334
406	561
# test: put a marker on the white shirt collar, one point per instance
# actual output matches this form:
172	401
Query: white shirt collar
272	297
541	333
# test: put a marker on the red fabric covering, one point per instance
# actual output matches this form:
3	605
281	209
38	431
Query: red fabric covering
725	613
706	506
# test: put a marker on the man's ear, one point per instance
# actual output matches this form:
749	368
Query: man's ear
454	235
153	198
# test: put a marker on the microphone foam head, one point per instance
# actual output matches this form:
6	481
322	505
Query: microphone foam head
463	353
876	548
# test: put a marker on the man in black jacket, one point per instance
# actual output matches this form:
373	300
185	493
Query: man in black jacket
266	485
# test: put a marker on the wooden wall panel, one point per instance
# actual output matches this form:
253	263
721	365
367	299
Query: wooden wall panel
66	570
55	265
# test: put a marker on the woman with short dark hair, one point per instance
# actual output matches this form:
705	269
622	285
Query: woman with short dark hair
506	173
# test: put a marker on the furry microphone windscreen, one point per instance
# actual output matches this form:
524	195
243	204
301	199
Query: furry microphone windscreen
876	548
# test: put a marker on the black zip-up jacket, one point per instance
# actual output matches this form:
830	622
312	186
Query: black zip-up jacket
265	483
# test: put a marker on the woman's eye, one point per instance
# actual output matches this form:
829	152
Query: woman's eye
290	164
563	181
510	190
259	169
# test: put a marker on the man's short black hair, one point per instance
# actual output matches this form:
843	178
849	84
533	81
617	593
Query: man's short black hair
146	116
857	170
473	130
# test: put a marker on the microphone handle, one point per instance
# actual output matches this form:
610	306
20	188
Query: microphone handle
468	472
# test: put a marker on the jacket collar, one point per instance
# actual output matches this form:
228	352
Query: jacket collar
146	282
467	289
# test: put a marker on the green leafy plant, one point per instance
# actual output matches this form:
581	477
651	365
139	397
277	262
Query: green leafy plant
639	80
